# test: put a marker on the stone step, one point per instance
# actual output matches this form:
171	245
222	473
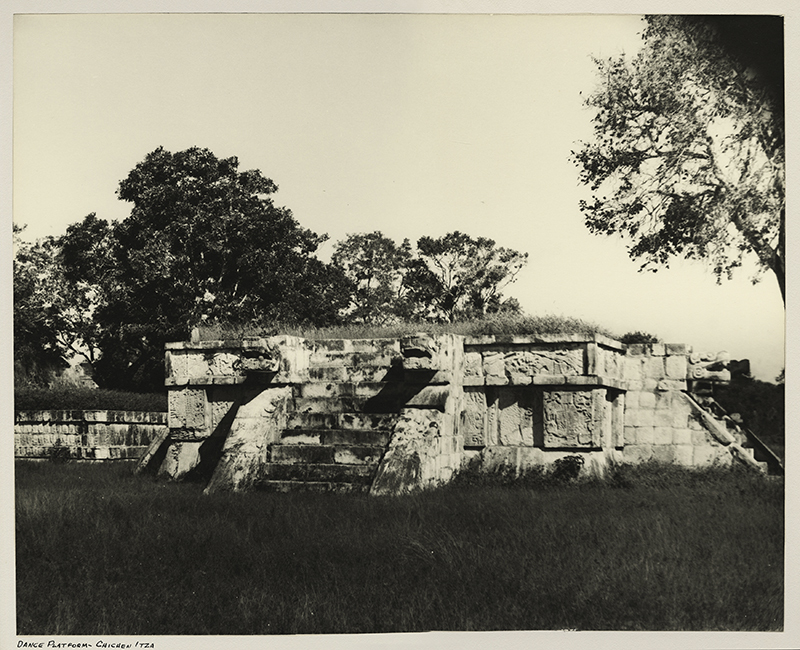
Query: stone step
340	373
389	390
310	436
355	345
311	486
391	398
358	473
378	421
326	454
341	404
362	374
342	389
331	359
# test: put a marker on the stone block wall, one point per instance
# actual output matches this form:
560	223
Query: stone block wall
662	421
532	400
256	424
85	435
350	383
424	450
207	381
558	359
426	447
519	401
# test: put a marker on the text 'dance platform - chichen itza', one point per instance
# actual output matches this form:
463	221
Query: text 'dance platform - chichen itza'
388	415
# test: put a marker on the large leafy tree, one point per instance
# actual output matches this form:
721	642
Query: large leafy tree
443	279
688	154
36	349
458	276
204	242
53	312
376	266
210	239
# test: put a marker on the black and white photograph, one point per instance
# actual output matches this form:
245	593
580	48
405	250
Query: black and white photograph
425	324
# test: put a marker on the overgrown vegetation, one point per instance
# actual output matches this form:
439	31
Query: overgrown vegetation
86	399
501	324
564	471
99	551
638	337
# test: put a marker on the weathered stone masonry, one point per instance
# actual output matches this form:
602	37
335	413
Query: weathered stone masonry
386	415
86	435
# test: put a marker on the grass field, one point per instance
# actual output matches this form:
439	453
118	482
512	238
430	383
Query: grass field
99	551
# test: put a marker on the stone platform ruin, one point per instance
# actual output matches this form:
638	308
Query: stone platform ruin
385	416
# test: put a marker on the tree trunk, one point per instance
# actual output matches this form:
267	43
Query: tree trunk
782	257
779	269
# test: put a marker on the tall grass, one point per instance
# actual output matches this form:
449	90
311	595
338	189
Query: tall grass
101	551
87	399
497	325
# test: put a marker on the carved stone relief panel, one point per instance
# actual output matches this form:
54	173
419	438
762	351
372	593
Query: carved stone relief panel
574	418
519	415
513	416
474	422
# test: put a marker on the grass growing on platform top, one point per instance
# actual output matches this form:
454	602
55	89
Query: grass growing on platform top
99	551
496	325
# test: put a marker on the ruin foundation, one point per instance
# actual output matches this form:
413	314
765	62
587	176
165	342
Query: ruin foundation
389	415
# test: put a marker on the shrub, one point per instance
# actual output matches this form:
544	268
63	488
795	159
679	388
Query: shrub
567	469
473	475
58	454
638	337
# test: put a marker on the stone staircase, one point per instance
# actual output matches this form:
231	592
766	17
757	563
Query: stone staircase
339	460
341	420
769	463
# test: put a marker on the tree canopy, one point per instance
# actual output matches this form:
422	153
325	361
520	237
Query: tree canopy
53	312
204	242
36	320
451	277
688	152
376	266
460	276
210	239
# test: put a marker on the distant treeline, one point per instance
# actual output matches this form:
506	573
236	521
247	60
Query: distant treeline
205	245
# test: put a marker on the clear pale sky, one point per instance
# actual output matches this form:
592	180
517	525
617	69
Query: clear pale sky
408	124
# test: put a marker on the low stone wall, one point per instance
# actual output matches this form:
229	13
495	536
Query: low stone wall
86	435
